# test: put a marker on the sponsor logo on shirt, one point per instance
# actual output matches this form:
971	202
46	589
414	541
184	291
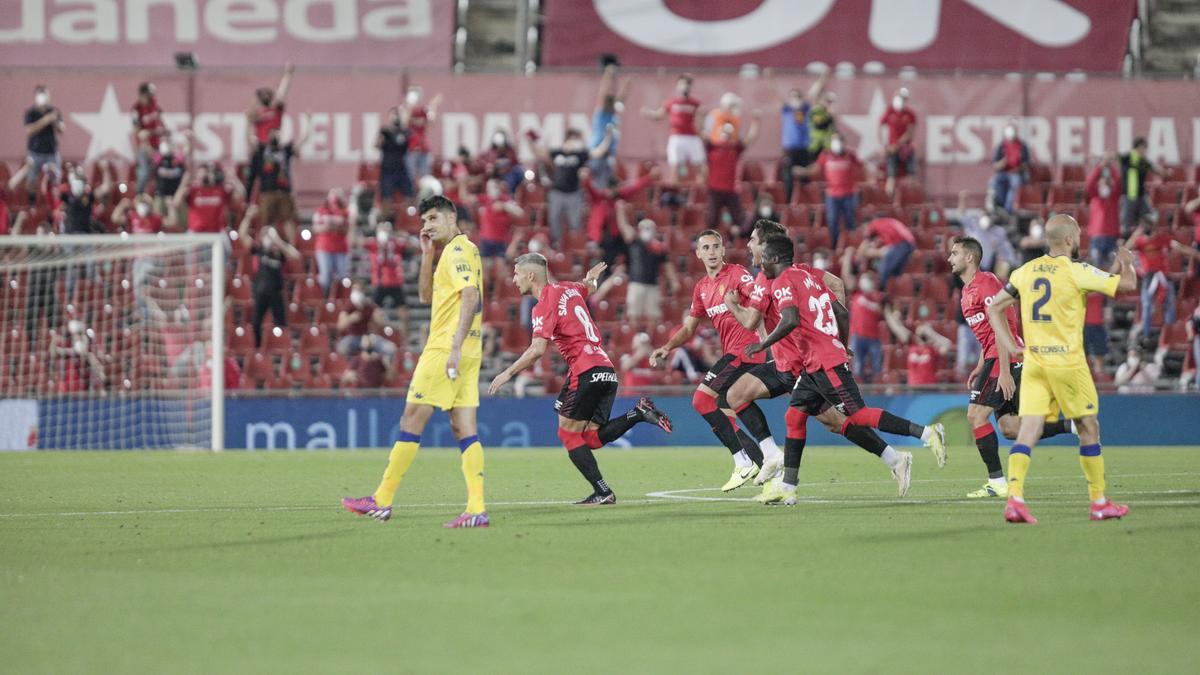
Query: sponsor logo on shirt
976	319
718	309
784	293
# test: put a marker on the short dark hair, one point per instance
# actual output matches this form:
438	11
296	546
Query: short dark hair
972	246
436	203
779	247
709	233
768	228
1140	140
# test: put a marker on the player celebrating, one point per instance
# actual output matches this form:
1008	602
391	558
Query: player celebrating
1052	290
993	387
561	316
447	374
825	381
708	299
684	148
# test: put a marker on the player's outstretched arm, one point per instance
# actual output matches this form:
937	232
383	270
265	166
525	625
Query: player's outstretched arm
789	318
534	352
995	315
685	333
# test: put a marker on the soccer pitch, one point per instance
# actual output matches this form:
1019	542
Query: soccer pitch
245	562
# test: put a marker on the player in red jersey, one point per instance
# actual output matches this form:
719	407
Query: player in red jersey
685	150
994	388
561	316
810	316
708	299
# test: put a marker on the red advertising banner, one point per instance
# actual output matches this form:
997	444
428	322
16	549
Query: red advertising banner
364	33
1050	35
960	119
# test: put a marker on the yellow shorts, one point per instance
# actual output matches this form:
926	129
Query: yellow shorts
1046	391
431	386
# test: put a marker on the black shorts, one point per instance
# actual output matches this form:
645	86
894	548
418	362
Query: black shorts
725	372
777	382
818	391
389	297
591	398
986	389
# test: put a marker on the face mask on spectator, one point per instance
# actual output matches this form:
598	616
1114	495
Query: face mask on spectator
264	97
985	222
1036	230
76	186
646	234
866	284
357	298
1010	133
764	211
836	146
821	263
923	312
535	246
572	144
413	97
795	102
1104	189
381	236
897	103
681	87
143	209
499	140
164	148
42	99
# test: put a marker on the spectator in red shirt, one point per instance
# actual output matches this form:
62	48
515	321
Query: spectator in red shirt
500	161
357	324
636	371
1095	335
840	166
926	347
1192	208
684	147
417	117
866	311
1011	164
387	272
331	223
148	128
369	369
649	259
266	115
723	157
897	128
496	213
209	200
137	216
1155	249
893	243
602	228
1104	211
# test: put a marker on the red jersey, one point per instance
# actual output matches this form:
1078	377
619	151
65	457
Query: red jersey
1013	152
1104	213
1196	222
151	224
708	299
387	263
148	117
898	122
839	172
922	364
1154	249
976	296
418	129
336	221
266	120
681	115
798	286
561	316
866	311
206	208
789	357
722	164
1094	314
494	225
891	231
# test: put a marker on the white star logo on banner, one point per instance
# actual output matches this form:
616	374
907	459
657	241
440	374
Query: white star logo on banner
867	127
110	128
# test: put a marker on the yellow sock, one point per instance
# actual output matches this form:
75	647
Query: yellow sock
1018	466
1093	468
472	469
402	456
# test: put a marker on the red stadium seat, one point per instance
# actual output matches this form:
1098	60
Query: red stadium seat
259	368
314	341
1072	173
276	341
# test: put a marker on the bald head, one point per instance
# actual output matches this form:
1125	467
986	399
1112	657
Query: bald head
1059	228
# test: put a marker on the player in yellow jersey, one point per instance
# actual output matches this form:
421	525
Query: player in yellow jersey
447	374
1052	291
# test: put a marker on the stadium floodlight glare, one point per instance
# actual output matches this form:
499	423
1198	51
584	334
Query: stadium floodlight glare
109	341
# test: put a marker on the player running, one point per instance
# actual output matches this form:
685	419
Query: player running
708	299
561	316
993	388
1052	291
809	317
447	374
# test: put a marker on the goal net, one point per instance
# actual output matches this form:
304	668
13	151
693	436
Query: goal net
107	341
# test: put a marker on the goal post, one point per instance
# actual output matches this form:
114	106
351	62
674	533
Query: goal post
112	341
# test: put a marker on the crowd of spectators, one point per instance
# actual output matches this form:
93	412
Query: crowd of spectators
330	281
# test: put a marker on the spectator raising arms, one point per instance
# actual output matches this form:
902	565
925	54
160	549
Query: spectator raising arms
272	253
564	202
723	156
1135	203
496	213
209	201
684	149
1104	211
148	131
926	347
136	216
1155	248
357	325
266	113
331	223
892	243
393	145
272	167
1011	165
417	117
602	228
606	123
387	272
43	126
500	161
648	260
897	128
841	167
81	203
794	108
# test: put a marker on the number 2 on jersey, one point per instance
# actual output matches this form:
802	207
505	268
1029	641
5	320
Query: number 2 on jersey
1041	284
823	309
589	328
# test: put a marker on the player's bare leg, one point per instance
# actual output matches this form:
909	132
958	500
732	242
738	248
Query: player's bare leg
379	504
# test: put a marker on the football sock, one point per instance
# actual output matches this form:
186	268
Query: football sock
741	460
866	438
890	457
989	449
1055	428
750	448
926	433
893	424
1018	466
723	430
617	426
585	461
472	470
401	457
769	448
752	416
793	453
1093	468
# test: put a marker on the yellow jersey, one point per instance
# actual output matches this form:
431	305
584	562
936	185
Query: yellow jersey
1052	292
458	268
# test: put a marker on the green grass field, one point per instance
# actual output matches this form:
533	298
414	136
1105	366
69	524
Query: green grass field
245	562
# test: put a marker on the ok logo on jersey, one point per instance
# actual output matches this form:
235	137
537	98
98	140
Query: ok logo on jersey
784	293
537	322
758	291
